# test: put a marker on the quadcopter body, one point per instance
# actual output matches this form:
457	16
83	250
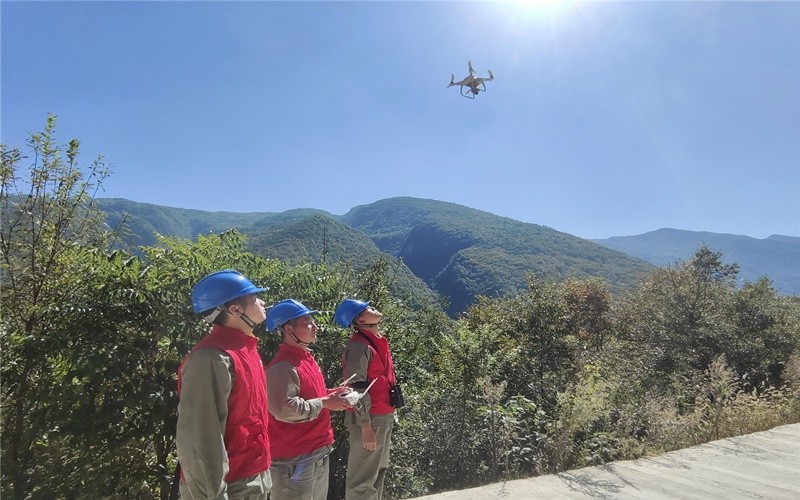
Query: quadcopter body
471	83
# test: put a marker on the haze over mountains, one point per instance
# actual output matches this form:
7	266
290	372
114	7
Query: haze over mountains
457	251
776	257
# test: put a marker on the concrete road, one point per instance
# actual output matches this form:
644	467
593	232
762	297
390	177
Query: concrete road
763	465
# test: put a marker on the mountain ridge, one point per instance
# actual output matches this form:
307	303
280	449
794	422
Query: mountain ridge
776	256
450	249
465	252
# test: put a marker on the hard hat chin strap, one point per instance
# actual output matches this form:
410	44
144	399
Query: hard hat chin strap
213	315
247	320
306	344
300	341
217	310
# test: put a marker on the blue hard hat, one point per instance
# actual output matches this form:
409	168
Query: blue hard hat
284	311
219	288
347	311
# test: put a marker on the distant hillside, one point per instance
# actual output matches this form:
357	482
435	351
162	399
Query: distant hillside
314	236
777	257
308	236
295	235
144	220
462	252
457	251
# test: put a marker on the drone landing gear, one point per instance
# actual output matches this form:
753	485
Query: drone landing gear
472	91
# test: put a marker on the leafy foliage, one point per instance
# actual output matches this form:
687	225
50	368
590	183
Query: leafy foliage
44	214
681	318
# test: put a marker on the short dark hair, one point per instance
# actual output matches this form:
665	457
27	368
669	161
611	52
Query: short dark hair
223	313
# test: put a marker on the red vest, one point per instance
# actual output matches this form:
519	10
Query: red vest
380	367
291	439
246	438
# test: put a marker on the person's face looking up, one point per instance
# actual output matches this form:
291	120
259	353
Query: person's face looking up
369	319
251	306
304	328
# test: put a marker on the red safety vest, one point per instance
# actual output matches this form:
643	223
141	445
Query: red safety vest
246	438
380	367
291	439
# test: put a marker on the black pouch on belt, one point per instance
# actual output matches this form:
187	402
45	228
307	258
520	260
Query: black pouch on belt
396	396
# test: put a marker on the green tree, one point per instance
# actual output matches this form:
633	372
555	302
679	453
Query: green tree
45	212
764	331
676	318
590	312
538	332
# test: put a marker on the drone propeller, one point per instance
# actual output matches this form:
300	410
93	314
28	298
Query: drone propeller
471	71
452	80
491	76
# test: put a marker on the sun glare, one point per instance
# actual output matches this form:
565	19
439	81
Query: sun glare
540	8
525	14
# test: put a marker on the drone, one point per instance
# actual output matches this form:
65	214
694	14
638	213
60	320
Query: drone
473	85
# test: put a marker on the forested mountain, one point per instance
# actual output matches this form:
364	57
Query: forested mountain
462	252
299	235
316	236
457	251
144	220
776	257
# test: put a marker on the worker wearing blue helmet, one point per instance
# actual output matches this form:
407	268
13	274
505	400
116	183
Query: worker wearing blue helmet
222	439
368	360
301	436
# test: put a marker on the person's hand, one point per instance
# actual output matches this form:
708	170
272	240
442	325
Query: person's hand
334	403
368	439
342	389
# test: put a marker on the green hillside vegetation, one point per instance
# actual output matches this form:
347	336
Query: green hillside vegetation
458	252
560	375
315	236
776	256
299	235
143	221
462	252
455	251
388	222
284	218
311	238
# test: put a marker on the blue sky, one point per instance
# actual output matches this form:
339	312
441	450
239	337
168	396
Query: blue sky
605	118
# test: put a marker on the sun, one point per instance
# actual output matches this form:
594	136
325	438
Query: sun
527	13
540	8
543	8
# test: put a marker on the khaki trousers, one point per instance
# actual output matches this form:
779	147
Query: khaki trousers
366	470
304	477
250	488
